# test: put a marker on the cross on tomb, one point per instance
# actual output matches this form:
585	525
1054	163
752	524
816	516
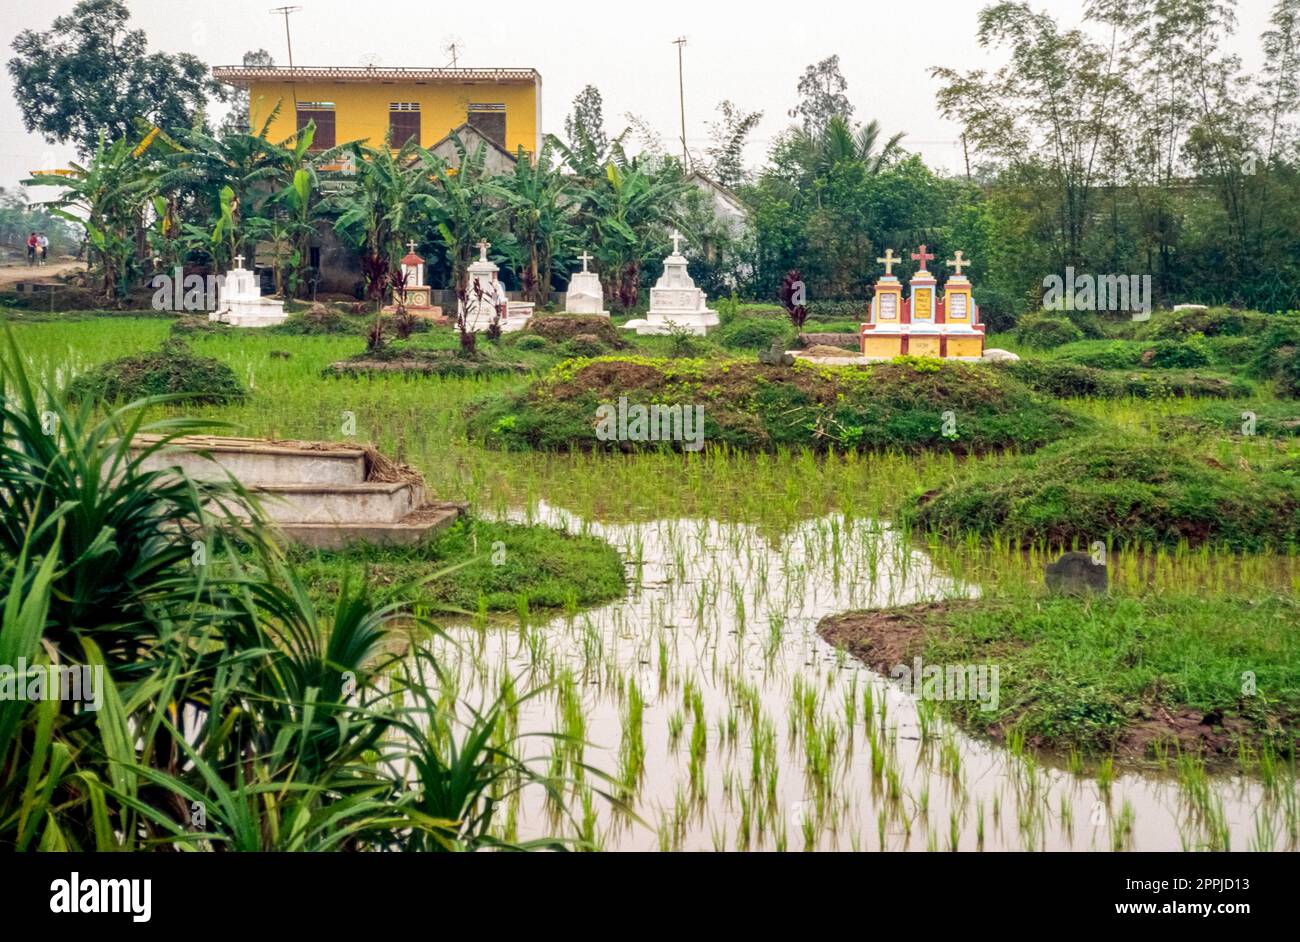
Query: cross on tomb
958	263
411	245
483	246
922	256
677	237
889	261
585	258
239	261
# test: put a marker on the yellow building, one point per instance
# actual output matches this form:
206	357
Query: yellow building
366	103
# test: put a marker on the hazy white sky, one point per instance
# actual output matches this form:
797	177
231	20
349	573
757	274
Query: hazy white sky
750	52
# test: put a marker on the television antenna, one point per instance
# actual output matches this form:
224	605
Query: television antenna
454	46
369	60
285	11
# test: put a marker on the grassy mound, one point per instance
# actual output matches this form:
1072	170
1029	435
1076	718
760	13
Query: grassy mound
173	369
1044	331
752	406
1125	491
1185	353
514	567
560	328
401	357
1068	380
1272	419
1277	356
755	333
1211	322
1137	677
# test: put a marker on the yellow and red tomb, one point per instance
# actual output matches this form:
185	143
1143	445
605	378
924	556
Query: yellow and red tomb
924	323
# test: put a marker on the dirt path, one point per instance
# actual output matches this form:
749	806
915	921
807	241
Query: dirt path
12	274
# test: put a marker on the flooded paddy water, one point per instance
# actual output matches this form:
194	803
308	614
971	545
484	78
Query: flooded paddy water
728	723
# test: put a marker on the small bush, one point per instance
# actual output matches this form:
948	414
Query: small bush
1045	332
532	342
1179	354
173	369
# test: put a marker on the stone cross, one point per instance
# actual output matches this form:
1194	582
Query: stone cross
677	237
483	246
239	261
922	256
889	261
958	263
411	246
585	258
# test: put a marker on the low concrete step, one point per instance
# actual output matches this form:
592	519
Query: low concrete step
374	502
257	462
411	530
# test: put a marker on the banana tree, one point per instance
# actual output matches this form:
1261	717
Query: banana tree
107	196
467	206
389	200
538	204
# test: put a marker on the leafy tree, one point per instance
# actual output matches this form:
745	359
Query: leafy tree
89	76
108	195
726	151
585	125
536	199
388	201
821	92
236	119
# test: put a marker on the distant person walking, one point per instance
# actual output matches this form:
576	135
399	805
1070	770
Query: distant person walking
44	244
32	242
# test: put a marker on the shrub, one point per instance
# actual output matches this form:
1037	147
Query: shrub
1179	354
172	370
532	342
1045	332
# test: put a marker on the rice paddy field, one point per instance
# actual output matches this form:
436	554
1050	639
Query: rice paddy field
703	710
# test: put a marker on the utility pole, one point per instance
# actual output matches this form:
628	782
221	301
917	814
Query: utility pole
285	11
679	42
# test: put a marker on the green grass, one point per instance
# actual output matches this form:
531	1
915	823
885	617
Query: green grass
504	563
1086	673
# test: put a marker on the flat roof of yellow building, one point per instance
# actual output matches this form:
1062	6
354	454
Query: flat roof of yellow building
245	75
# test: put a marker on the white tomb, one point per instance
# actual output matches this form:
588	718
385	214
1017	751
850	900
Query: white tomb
585	295
675	302
240	302
480	306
